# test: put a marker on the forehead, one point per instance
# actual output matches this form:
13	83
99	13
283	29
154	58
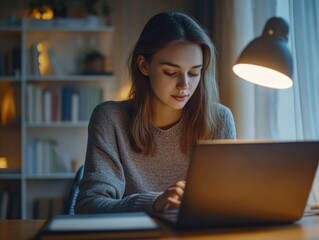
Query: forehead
182	54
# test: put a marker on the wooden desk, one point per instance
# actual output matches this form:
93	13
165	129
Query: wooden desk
307	228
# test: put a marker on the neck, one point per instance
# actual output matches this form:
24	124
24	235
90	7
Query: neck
166	119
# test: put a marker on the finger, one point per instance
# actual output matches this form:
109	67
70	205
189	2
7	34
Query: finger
172	204
175	191
173	201
180	184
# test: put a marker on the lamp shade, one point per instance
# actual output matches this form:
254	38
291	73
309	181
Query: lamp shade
267	60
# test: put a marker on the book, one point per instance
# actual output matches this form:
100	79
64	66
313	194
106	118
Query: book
16	62
55	65
47	105
54	105
2	64
35	59
38	104
31	157
39	155
42	208
30	103
14	204
75	107
4	198
67	92
100	226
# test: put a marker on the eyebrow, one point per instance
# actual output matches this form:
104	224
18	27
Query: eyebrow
175	65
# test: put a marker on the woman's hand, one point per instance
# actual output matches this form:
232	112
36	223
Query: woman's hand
171	198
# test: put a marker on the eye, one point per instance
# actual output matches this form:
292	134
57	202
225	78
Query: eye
170	74
193	74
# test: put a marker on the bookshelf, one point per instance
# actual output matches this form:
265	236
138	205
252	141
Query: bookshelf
46	97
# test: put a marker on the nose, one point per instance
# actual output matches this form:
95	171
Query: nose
183	82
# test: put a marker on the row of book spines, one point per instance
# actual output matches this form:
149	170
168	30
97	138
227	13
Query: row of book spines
9	204
65	104
44	208
43	157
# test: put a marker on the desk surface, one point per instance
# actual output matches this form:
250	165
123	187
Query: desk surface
307	228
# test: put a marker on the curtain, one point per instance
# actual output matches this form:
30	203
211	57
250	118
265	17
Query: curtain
237	22
304	21
262	113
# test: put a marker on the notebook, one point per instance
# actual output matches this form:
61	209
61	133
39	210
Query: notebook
237	183
132	225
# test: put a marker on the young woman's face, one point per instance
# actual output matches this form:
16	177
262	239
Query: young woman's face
174	73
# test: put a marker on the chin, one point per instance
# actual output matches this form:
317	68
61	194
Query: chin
179	106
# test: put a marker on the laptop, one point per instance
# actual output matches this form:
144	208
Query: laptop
239	183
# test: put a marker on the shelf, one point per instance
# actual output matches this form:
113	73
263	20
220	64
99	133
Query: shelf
71	29
10	78
56	25
58	124
10	29
52	176
66	25
37	98
74	78
10	176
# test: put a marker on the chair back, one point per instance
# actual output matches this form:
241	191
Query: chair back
70	204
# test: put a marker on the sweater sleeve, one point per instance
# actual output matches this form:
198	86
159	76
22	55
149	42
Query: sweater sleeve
103	185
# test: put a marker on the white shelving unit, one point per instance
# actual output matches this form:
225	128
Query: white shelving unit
69	40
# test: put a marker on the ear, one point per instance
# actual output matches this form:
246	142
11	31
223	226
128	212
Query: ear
142	65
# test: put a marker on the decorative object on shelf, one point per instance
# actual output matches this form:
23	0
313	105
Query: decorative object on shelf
59	8
3	162
8	109
41	9
267	60
94	63
47	9
92	7
42	58
96	8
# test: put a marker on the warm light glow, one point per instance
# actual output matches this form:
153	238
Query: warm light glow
46	13
8	110
3	162
43	58
40	47
124	91
262	76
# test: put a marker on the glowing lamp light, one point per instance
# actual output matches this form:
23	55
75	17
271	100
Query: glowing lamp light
266	60
261	75
3	162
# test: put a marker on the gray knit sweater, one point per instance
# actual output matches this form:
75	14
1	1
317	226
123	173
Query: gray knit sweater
118	179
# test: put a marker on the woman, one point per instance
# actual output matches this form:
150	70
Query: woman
138	150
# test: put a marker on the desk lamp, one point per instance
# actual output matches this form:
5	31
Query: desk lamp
266	60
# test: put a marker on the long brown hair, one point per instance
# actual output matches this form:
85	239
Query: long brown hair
199	113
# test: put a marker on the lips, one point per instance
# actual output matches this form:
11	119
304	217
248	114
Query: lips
180	97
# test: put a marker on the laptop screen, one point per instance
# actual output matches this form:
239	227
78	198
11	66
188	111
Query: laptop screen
235	183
